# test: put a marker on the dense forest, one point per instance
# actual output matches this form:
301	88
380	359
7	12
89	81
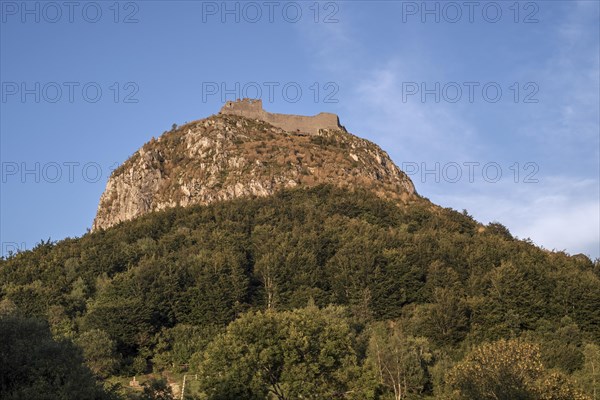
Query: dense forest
318	293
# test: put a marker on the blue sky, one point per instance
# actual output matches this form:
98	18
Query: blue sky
491	107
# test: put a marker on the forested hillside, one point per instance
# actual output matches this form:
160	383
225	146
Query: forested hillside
311	293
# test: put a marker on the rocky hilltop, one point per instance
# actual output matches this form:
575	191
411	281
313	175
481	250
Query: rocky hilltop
246	151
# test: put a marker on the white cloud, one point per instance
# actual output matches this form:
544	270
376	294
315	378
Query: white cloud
433	131
558	213
561	132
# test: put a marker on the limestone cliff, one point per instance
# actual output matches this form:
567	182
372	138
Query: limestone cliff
233	154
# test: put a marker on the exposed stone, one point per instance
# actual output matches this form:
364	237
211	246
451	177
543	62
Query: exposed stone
237	154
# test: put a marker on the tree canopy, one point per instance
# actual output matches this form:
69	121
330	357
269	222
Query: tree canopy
156	293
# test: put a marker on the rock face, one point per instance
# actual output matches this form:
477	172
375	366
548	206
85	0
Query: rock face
236	154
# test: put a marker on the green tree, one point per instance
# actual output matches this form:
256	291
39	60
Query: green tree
34	366
400	361
305	353
178	345
509	370
589	375
99	352
445	320
560	344
156	389
557	386
7	307
503	370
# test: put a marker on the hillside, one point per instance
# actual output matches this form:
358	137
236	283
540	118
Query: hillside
234	154
275	256
162	286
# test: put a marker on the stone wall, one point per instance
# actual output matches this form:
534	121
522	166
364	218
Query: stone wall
252	108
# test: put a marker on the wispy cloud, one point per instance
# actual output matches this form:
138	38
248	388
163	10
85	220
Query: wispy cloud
433	131
560	213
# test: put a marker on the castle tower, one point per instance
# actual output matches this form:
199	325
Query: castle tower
252	108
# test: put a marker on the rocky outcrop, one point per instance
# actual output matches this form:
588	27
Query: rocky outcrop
227	156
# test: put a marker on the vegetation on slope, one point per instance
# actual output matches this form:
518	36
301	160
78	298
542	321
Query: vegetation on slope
403	302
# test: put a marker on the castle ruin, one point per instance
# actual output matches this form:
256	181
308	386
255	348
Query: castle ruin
252	108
